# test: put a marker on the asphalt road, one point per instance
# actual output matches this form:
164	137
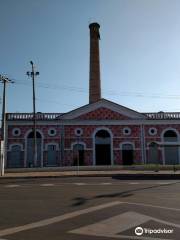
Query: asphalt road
89	208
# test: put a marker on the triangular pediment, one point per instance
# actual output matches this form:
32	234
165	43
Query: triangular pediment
103	110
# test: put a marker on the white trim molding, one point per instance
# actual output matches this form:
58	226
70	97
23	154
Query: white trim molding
31	130
15	144
152	133
167	129
52	134
176	143
126	131
78	132
148	143
78	143
123	143
103	103
77	122
51	143
16	129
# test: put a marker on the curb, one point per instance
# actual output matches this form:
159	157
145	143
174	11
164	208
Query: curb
120	176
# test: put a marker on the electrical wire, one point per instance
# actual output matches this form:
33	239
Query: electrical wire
107	92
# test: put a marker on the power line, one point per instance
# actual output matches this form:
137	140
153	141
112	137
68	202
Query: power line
108	92
54	101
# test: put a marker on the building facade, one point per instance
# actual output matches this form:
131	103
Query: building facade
99	133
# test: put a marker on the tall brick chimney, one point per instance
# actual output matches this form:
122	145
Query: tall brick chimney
94	73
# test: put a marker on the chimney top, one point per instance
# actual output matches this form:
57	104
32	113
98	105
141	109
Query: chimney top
94	24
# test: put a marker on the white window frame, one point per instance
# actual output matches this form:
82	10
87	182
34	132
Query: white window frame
15	144
124	131
76	132
155	131
16	129
52	134
52	143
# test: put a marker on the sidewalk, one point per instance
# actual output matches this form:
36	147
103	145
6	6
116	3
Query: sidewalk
120	174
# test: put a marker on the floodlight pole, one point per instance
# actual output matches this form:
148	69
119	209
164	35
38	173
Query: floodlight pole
32	74
4	80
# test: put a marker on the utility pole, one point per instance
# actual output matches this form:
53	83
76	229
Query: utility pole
4	80
32	74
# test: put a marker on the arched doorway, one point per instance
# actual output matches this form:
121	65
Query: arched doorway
127	154
103	147
171	149
78	155
153	153
30	149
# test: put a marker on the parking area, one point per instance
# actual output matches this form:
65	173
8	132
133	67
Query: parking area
89	208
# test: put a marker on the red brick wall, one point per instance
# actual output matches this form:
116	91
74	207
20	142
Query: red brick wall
70	137
103	113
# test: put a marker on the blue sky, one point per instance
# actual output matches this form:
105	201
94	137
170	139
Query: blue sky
139	51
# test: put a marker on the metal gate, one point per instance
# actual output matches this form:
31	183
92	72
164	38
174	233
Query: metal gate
153	157
171	155
127	154
15	157
51	155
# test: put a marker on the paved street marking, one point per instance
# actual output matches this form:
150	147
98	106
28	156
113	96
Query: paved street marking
165	183
134	183
112	227
153	206
80	184
89	184
136	237
106	183
46	184
60	218
12	186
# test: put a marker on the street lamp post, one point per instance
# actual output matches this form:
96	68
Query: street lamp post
32	74
4	80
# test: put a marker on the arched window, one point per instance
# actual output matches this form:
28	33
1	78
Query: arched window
170	136
102	134
31	135
171	151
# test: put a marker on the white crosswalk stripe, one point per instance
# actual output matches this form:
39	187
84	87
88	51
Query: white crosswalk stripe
106	183
134	183
163	183
47	185
12	186
80	184
56	219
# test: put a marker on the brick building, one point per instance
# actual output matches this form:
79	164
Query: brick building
99	133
